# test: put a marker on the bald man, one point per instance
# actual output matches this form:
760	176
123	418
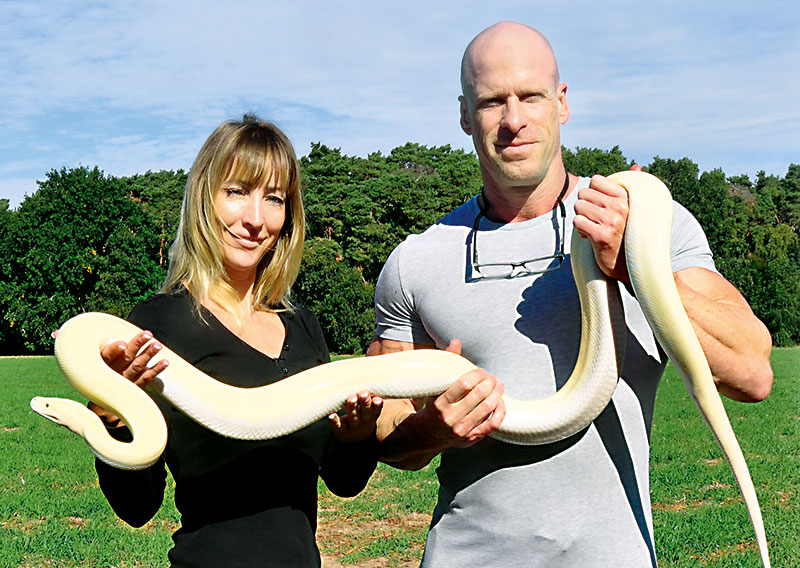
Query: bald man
493	274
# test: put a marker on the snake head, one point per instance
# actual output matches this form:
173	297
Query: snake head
41	406
59	410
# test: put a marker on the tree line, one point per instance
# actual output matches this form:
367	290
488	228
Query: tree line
87	241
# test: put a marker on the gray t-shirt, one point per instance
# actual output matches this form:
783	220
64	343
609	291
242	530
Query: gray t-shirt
583	501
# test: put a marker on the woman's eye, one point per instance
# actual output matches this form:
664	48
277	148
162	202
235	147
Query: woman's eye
231	191
276	199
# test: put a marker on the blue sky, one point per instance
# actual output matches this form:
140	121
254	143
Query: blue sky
137	86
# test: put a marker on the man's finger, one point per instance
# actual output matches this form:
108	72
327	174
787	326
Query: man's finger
464	385
454	347
484	405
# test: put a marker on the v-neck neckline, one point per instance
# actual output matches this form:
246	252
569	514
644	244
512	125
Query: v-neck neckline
230	333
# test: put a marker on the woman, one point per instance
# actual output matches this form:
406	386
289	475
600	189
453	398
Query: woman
224	307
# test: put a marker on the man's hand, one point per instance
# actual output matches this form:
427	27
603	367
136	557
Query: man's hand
413	432
468	411
601	214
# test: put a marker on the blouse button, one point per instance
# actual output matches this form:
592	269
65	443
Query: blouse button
286	347
284	370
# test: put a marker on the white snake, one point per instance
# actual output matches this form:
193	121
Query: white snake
288	405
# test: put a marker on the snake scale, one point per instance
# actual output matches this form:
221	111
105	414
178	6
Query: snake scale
288	405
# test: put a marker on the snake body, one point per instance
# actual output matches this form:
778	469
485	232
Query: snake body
288	405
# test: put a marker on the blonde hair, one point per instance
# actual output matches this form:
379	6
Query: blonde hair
254	152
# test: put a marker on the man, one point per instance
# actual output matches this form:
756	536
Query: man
491	274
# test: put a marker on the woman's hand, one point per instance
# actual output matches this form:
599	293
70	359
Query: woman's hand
357	422
131	361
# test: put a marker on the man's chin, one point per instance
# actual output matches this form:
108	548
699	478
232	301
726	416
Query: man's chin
517	175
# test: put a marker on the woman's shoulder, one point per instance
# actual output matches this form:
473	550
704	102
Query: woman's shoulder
302	316
161	309
302	312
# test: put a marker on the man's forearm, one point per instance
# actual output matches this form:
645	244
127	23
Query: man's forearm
402	440
736	343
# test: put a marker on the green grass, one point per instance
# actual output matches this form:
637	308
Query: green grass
699	516
53	514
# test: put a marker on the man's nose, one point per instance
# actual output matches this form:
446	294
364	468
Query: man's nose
513	116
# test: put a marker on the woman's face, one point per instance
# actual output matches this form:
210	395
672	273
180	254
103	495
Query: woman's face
251	221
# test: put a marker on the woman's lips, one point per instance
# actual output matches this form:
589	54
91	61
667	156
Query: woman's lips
246	242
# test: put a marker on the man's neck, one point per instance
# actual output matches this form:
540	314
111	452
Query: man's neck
514	204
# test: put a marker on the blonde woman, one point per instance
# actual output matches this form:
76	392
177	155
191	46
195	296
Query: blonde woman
224	307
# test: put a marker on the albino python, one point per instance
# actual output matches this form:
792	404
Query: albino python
288	405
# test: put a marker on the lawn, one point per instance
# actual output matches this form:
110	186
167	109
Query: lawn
53	514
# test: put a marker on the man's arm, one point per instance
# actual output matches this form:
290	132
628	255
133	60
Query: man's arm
412	432
736	343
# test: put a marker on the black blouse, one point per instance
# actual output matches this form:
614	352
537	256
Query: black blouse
242	502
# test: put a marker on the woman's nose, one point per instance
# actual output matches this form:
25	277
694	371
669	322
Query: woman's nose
253	214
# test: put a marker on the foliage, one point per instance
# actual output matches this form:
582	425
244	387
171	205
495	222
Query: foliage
369	205
79	244
337	294
87	241
752	230
587	162
160	194
358	211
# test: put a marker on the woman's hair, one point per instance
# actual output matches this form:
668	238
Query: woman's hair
253	152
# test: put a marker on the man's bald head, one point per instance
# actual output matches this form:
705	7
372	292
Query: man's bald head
513	106
506	39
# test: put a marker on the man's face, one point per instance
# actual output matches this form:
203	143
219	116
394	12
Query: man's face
513	110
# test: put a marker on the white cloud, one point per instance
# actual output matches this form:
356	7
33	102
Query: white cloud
132	86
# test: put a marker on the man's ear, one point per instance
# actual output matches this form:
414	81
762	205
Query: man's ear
466	125
563	107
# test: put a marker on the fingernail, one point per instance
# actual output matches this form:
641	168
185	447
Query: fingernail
147	335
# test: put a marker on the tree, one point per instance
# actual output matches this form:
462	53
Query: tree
161	195
338	295
7	289
80	244
86	241
586	162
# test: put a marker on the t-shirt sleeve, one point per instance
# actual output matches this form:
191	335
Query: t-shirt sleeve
395	316
688	244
